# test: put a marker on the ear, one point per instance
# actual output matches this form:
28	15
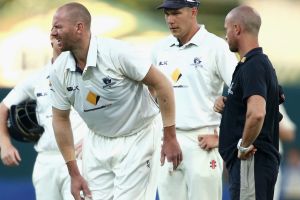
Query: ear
79	27
237	29
194	11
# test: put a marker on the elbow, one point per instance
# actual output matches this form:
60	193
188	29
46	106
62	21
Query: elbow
260	116
257	116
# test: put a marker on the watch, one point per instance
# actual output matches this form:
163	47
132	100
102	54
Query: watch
240	148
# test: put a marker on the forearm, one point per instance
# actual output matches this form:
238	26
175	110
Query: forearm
162	88
255	116
63	134
252	129
4	135
165	99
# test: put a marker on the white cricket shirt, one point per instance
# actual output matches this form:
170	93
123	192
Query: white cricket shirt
37	87
197	70
109	94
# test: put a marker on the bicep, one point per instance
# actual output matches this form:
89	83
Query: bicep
256	104
60	114
154	78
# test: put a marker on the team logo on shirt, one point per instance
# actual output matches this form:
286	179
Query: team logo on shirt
107	81
197	63
229	91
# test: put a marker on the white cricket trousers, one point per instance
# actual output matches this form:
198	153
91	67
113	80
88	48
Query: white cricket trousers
50	177
198	177
123	168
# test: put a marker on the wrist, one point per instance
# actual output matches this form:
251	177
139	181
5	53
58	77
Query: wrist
72	168
169	132
241	148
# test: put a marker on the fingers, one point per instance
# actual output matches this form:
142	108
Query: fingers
76	195
177	160
12	159
219	104
86	191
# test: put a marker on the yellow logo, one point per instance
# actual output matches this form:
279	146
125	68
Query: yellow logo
176	75
92	98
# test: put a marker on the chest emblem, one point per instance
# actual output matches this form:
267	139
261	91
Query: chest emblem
108	82
176	75
92	98
197	62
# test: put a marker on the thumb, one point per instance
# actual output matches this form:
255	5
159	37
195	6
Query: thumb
162	158
18	156
224	99
215	131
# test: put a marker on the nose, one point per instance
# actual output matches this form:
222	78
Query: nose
169	19
53	32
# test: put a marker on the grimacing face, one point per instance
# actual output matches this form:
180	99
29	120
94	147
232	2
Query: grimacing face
63	31
179	21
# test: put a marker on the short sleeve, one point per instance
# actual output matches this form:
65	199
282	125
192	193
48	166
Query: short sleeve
133	63
58	96
254	80
21	92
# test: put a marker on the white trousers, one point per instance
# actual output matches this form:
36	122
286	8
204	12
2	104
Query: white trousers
199	176
50	177
123	168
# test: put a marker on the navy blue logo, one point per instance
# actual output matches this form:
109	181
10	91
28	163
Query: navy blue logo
107	81
161	63
72	88
197	63
40	94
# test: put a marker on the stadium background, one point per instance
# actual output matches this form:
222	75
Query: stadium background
24	47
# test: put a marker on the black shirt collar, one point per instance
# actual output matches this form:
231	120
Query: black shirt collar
251	53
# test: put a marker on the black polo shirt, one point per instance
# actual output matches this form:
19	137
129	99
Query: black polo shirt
254	75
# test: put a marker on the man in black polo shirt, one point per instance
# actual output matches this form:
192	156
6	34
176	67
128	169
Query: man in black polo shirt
249	128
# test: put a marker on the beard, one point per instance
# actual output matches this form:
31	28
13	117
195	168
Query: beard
233	46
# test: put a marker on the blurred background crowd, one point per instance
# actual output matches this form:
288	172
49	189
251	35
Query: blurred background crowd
25	47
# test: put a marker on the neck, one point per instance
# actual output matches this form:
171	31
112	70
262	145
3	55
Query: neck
80	54
247	44
189	35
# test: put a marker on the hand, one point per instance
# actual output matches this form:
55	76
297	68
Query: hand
170	148
10	155
208	142
220	104
78	149
79	184
247	154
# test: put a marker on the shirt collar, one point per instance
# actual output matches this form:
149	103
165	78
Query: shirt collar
91	57
197	39
251	53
